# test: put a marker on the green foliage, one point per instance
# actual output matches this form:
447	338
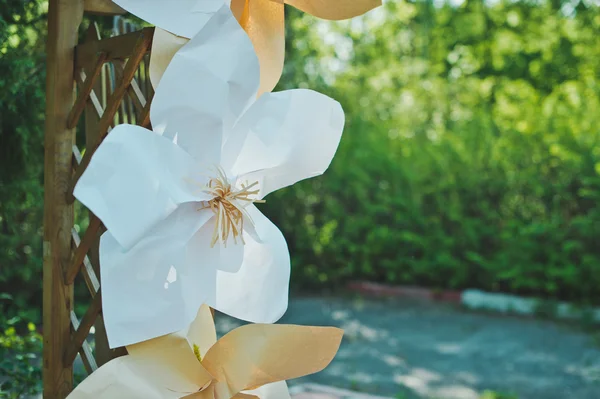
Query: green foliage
22	76
470	156
20	361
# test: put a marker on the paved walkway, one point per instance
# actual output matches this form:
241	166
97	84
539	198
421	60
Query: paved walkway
402	349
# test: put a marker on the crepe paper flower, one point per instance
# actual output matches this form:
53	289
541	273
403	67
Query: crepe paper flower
252	361
183	229
263	20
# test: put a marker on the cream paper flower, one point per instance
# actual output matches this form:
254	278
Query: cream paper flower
263	20
250	362
183	229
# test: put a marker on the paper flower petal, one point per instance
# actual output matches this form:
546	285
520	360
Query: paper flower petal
283	138
135	179
264	22
119	379
181	17
154	288
259	354
335	9
126	378
169	362
227	258
208	84
202	331
164	46
258	291
208	393
277	390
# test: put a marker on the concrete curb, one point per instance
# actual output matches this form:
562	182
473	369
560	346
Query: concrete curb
318	391
383	290
481	300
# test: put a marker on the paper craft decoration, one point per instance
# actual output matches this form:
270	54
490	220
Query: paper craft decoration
183	229
250	362
263	20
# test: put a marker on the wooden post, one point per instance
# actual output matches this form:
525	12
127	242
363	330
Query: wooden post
102	7
64	18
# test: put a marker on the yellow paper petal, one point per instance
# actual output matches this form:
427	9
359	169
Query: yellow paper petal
170	361
335	9
202	331
263	20
208	393
126	378
239	8
164	46
259	354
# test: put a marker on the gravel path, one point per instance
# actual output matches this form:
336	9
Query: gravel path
414	350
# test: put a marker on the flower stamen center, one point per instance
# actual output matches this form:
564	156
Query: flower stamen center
228	205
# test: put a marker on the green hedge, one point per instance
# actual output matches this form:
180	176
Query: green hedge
22	78
470	158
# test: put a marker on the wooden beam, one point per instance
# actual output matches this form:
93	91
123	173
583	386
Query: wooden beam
90	236
86	90
144	117
116	47
64	18
82	332
103	7
88	271
86	354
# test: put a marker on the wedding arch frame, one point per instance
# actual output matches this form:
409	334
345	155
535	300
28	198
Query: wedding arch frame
91	86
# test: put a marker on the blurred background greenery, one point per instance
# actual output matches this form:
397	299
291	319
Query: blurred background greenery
471	153
470	158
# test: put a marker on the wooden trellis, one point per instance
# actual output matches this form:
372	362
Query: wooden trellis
94	85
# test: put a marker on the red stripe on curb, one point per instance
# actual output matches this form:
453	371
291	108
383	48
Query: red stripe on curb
384	290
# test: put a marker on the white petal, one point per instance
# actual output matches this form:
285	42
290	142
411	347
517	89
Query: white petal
157	286
228	258
209	83
135	179
276	390
181	17
258	291
164	47
283	138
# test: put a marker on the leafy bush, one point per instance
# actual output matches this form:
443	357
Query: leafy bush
22	77
20	358
470	156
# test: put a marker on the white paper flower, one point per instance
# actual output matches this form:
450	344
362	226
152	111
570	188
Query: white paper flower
178	205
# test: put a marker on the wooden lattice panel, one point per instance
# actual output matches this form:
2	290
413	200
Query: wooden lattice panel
113	88
112	85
